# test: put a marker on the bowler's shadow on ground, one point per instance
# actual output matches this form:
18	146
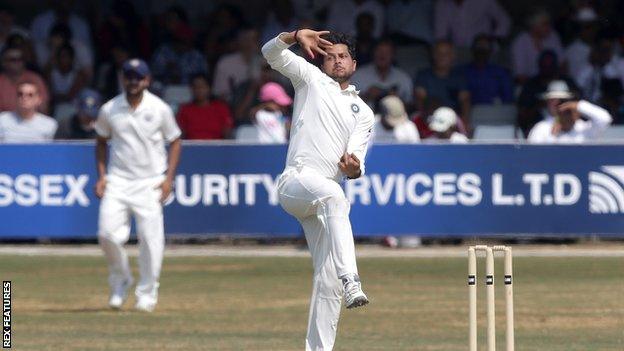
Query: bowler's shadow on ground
82	310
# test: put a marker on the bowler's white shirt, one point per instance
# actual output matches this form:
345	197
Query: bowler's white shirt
327	121
137	147
38	128
598	121
405	132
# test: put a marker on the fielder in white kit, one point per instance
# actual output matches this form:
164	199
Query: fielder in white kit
330	131
139	178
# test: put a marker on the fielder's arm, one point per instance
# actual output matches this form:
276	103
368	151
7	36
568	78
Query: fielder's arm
101	156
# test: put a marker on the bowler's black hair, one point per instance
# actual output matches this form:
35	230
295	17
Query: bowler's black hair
342	38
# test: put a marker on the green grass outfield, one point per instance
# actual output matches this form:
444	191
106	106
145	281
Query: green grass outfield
261	303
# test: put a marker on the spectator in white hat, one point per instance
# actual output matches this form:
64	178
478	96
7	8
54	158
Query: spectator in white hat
563	123
443	123
392	124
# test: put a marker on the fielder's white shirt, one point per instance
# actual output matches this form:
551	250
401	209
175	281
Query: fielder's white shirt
327	121
598	121
405	132
137	147
14	129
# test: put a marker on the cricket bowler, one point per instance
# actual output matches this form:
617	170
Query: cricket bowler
330	131
138	179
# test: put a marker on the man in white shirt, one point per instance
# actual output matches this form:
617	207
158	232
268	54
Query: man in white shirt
234	69
25	124
330	131
392	125
443	123
342	15
563	124
139	178
460	21
576	55
382	77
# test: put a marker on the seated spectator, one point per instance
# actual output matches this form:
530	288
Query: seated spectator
247	94
66	81
236	68
123	26
576	55
443	123
410	21
381	77
488	83
23	43
204	117
270	117
603	64
281	18
82	124
392	124
364	39
528	45
61	12
219	39
25	124
341	15
110	76
8	26
60	35
563	123
14	71
530	102
612	99
443	82
177	61
460	21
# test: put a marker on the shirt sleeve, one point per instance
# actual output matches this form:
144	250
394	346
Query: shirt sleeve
169	127
294	67
53	128
102	127
533	136
358	142
501	19
221	86
599	118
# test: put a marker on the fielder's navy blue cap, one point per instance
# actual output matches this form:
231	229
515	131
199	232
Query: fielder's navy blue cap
89	102
136	66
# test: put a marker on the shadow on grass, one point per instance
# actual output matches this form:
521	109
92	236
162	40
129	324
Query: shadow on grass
83	310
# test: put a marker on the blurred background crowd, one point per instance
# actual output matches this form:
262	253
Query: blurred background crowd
430	69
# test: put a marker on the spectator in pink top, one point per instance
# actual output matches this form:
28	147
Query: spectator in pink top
13	72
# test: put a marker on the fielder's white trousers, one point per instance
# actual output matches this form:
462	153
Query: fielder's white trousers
321	207
123	199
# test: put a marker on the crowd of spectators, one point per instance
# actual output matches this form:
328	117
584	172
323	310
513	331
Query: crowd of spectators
206	63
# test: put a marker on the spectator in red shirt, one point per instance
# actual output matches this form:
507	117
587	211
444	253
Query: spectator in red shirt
204	117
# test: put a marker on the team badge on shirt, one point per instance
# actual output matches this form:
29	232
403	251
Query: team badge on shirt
355	108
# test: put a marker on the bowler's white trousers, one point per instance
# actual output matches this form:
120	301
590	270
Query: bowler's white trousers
321	207
139	198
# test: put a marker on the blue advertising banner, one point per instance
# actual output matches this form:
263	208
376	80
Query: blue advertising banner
432	190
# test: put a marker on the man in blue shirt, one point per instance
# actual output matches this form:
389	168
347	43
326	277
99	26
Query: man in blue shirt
488	83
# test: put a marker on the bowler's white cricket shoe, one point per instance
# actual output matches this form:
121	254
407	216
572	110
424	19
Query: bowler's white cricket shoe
353	294
145	304
119	294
